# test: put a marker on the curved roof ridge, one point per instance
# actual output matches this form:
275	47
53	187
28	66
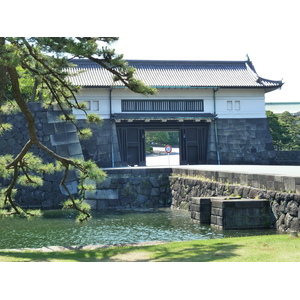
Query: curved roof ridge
261	79
177	73
163	61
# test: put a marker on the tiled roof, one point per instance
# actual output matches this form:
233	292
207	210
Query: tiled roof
179	74
162	116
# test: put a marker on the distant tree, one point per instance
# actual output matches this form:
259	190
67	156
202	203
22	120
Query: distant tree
34	69
285	130
277	130
162	138
292	126
173	138
157	137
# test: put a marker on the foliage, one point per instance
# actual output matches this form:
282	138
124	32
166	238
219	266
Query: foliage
278	130
285	130
292	125
162	138
34	69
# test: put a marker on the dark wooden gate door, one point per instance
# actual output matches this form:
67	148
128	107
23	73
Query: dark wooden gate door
132	146
193	145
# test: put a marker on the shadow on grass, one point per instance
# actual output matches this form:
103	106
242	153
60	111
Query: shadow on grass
28	256
193	251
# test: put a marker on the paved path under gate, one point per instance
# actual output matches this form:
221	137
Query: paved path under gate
291	171
160	159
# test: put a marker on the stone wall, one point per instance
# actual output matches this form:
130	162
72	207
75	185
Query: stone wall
243	141
200	209
151	187
57	136
132	188
287	158
261	181
285	207
103	146
240	213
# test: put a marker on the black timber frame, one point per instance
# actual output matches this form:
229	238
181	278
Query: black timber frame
193	140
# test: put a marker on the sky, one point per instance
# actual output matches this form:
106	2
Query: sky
266	30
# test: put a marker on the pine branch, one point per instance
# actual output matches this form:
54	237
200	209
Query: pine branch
34	140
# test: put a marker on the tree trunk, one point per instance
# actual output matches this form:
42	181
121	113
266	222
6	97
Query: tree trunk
3	78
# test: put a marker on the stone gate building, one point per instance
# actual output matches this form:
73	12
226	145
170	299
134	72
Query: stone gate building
217	107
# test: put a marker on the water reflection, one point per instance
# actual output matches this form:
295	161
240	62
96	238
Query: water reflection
58	228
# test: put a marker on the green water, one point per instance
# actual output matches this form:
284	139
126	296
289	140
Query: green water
58	228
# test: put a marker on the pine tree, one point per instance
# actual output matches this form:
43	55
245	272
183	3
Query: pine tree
35	69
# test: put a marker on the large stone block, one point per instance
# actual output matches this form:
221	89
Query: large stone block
71	186
102	204
74	149
216	203
72	137
92	203
58	139
54	116
200	209
60	127
63	150
216	211
48	129
155	192
195	207
240	214
195	215
102	194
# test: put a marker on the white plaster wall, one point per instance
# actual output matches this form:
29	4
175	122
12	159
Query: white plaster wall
94	95
251	102
173	94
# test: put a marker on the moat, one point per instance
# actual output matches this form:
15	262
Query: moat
58	228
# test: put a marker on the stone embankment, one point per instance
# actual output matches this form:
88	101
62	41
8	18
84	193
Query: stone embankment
284	207
132	188
232	212
58	136
142	188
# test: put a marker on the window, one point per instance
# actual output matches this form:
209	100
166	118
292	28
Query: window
236	105
92	105
162	105
95	106
229	105
88	105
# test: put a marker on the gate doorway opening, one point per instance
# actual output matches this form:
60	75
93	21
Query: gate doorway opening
192	138
155	142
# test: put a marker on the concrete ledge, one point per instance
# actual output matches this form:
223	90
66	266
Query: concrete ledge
201	209
277	178
231	214
240	214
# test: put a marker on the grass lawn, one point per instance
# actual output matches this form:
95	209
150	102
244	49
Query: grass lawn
270	248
